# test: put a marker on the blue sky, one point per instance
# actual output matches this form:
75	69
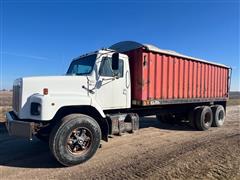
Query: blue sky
41	37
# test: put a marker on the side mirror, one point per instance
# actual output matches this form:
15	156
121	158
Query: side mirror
115	61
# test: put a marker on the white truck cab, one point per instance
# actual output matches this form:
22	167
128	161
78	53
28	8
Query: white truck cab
89	81
94	82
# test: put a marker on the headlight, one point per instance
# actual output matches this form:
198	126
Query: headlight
35	109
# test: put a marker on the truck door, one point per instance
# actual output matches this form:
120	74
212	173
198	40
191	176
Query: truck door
112	92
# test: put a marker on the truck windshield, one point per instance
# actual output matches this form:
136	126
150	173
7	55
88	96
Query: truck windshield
82	66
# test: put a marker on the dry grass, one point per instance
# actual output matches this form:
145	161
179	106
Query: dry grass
5	98
5	104
233	102
3	110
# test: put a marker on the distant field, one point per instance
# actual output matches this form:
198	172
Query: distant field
233	102
235	95
5	98
6	102
3	110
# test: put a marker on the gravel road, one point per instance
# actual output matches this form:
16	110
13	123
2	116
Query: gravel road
156	151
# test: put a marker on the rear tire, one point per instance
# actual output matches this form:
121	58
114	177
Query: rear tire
75	139
218	115
203	118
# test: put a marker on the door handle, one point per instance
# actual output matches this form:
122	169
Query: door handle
127	80
125	91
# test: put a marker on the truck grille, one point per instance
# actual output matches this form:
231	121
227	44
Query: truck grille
16	102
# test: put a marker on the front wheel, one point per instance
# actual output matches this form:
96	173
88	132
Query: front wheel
75	139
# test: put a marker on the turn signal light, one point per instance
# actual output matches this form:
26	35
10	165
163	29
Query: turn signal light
45	91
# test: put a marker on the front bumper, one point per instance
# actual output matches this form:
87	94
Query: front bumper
19	128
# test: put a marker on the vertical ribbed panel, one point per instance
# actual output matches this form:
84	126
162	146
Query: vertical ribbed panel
160	76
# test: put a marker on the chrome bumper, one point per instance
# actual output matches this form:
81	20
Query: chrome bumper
19	128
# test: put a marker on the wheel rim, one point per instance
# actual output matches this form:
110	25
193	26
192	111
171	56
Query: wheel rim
207	119
79	141
220	116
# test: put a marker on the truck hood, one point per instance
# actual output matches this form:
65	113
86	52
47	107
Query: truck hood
57	85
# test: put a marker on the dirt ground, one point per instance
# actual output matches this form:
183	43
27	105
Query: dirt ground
156	151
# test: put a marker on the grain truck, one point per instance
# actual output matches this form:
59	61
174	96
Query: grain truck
105	92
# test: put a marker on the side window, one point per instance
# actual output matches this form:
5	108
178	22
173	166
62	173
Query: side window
106	69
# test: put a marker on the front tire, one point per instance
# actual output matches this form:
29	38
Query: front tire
75	139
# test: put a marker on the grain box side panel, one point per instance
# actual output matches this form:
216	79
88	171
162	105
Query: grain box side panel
195	73
228	81
190	80
164	77
151	76
145	76
170	78
176	78
206	81
212	81
219	82
181	83
198	80
186	76
215	81
159	76
201	81
158	59
209	81
135	60
224	82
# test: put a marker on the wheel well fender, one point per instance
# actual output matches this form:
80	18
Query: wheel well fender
87	110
